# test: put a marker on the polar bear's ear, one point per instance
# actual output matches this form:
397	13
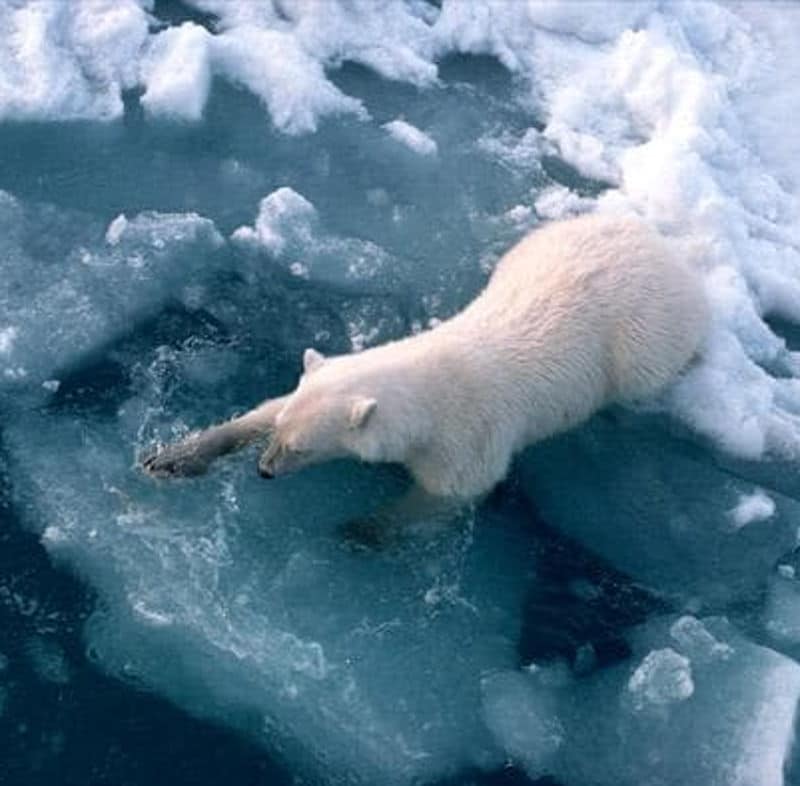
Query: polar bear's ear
361	410
312	360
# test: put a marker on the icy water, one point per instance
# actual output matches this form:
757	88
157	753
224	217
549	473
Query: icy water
191	194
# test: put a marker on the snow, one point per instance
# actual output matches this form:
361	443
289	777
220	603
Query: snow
281	215
752	507
177	72
559	202
69	61
7	337
411	137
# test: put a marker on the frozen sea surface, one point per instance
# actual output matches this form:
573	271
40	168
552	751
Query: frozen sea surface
193	192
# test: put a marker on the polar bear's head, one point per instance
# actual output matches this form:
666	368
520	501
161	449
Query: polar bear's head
326	417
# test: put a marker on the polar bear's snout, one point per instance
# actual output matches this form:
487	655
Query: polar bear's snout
281	459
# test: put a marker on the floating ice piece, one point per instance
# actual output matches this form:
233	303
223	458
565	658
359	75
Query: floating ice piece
663	677
7	337
695	641
287	226
661	717
177	72
58	313
283	216
411	137
757	506
656	508
240	602
116	229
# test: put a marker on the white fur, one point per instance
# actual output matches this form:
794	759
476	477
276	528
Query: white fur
579	314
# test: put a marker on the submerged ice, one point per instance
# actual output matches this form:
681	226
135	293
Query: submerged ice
284	175
695	704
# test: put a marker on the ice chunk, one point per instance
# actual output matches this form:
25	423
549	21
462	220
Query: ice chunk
7	336
59	311
238	599
411	137
663	677
177	72
595	24
662	717
752	507
697	642
288	227
283	216
116	229
656	508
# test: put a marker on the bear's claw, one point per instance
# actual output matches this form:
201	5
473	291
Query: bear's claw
178	460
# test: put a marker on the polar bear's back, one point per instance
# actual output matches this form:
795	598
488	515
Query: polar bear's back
608	288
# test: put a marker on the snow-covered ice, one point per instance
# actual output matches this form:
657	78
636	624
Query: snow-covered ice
411	137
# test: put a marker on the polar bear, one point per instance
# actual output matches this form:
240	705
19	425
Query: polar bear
579	314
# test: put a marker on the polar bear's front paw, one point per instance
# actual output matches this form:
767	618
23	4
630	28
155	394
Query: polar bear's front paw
183	460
